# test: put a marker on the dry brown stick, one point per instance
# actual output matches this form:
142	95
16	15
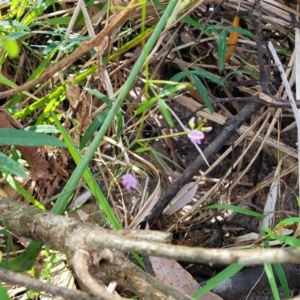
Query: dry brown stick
116	21
37	285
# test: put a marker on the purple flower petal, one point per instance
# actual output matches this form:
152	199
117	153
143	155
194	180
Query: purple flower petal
129	181
196	136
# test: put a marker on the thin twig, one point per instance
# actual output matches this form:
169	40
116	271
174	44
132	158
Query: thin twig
290	97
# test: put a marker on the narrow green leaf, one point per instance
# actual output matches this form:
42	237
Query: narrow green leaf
120	122
14	24
17	187
240	30
218	279
283	280
272	281
142	149
55	21
99	95
94	126
236	209
165	111
174	90
288	240
145	106
15	36
179	76
288	221
11	166
63	201
202	90
6	81
222	45
10	136
176	78
209	76
42	129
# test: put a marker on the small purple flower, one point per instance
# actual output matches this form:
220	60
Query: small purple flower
128	181
196	136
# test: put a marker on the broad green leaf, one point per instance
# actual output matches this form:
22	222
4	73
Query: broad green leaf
11	166
222	45
10	136
165	111
94	126
218	279
202	91
3	293
236	209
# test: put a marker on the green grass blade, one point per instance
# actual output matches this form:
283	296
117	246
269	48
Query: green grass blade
16	186
165	112
222	45
288	221
202	91
218	279
283	280
272	281
62	201
236	209
94	126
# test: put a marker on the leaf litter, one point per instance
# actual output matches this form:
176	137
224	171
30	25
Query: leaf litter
241	172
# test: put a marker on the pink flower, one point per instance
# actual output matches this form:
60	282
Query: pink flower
128	181
196	136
